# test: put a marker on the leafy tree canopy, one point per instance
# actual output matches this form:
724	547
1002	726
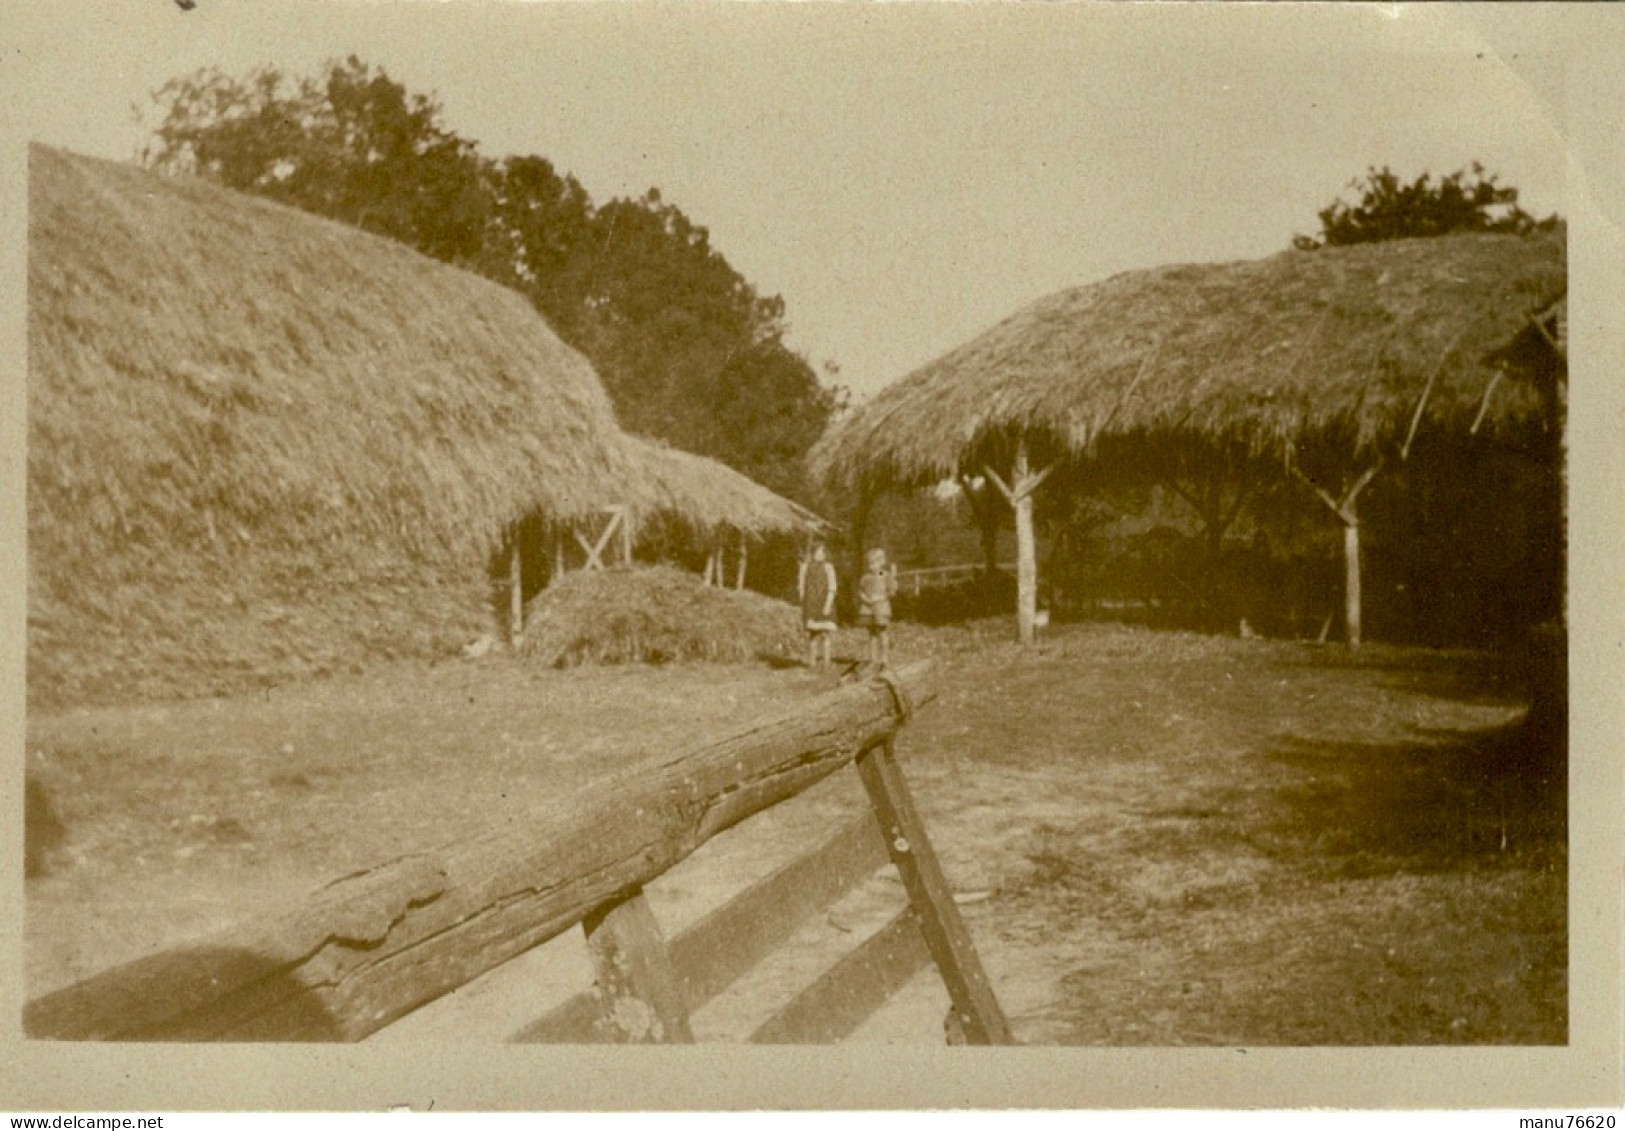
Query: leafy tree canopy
687	348
1387	208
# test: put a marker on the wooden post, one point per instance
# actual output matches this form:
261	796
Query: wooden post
1349	516
626	536
558	555
1026	549
639	999
739	580
1351	574
976	1008
1019	493
516	596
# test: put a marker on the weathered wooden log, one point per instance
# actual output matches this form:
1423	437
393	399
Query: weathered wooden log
367	949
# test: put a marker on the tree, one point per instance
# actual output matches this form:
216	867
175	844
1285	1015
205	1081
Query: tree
687	349
352	145
1469	200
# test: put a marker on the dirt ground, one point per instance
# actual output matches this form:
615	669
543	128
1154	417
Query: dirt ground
1167	839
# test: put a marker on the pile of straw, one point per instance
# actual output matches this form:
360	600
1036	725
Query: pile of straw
654	615
264	445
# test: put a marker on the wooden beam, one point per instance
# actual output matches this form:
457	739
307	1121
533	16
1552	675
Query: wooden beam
715	952
639	1001
366	949
997	480
979	1015
851	991
1351	579
1026	549
744	554
1034	482
592	561
1484	404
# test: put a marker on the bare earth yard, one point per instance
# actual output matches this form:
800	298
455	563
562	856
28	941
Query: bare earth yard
1171	839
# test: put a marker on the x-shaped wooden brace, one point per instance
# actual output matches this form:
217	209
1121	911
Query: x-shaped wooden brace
595	550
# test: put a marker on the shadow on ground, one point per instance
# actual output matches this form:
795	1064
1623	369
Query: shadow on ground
1443	803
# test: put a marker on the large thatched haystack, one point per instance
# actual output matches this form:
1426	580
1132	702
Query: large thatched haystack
263	445
1354	351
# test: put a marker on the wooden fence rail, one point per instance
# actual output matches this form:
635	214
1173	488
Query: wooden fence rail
915	581
367	949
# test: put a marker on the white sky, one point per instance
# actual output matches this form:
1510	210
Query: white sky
904	175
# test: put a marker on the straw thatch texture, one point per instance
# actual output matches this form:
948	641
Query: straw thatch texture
262	444
709	496
654	614
1336	345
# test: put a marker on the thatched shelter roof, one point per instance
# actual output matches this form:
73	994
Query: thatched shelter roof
256	437
710	496
1338	345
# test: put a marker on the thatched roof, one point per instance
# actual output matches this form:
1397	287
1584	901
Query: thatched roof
709	496
239	412
1335	345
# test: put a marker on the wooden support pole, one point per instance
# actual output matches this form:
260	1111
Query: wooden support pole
1347	513
639	999
559	565
1351	574
1026	548
978	1013
744	552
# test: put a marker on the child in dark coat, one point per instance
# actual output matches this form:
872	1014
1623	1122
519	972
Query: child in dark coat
816	586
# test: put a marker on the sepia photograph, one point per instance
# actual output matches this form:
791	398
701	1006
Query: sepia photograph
938	555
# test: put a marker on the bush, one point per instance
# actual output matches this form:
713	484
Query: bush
654	614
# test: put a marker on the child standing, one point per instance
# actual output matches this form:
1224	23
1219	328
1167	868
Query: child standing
875	591
816	586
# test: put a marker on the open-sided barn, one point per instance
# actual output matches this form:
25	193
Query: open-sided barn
1343	355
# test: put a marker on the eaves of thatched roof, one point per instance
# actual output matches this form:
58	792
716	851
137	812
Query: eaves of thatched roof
1339	345
194	350
709	496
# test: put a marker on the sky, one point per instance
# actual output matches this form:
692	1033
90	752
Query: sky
904	175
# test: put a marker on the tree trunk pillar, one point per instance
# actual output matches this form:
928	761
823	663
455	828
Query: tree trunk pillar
1026	549
1351	574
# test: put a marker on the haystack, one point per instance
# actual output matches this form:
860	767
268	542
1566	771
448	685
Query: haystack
1356	350
264	445
653	614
